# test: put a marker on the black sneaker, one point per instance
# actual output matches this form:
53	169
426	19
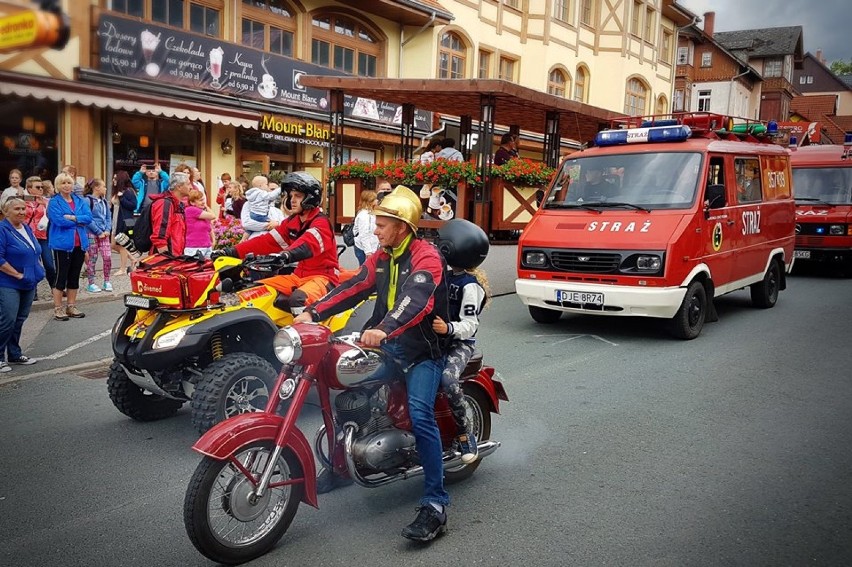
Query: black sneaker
427	525
327	481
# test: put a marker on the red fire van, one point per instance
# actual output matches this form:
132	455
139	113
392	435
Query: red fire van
822	178
659	218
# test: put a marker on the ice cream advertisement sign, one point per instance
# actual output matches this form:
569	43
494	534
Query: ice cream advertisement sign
142	50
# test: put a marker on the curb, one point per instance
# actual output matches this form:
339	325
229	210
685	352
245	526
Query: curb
44	304
52	371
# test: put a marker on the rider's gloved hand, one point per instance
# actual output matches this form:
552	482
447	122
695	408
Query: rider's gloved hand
230	251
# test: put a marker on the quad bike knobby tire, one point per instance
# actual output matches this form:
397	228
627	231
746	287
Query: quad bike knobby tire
135	402
236	383
479	418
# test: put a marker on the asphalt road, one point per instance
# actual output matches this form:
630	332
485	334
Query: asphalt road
620	447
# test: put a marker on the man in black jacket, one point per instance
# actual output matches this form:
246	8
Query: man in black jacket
407	274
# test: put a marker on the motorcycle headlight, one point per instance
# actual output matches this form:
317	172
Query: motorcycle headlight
172	338
287	345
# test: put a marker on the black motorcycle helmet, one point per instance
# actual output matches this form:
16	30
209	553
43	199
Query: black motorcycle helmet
463	244
306	184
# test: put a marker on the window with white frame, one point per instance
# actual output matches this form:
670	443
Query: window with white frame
703	101
678	101
562	10
484	64
452	54
508	67
707	59
773	67
635	98
683	55
587	12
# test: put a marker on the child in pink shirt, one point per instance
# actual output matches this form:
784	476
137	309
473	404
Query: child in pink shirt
199	232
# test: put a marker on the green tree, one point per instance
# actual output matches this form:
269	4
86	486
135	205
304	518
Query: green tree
841	67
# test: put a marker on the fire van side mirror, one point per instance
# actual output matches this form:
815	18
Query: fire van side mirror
715	197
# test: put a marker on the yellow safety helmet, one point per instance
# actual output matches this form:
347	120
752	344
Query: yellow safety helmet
402	204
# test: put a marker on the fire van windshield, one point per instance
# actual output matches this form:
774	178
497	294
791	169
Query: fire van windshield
823	185
643	181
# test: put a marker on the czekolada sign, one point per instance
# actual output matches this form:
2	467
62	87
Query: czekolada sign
141	50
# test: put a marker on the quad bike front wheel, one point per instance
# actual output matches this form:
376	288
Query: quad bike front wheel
224	518
136	402
236	383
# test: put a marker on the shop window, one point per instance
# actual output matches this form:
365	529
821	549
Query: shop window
558	83
344	44
28	132
141	141
452	55
635	99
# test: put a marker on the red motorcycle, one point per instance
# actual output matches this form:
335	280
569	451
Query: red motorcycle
258	467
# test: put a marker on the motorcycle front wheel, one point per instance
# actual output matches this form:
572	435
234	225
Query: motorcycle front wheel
223	518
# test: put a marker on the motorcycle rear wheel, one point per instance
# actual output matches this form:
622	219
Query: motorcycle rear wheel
220	519
479	416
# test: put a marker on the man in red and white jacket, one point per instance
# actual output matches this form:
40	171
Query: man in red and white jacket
168	224
306	237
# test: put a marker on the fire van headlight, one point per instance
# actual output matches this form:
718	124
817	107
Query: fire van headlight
644	263
649	263
287	345
837	230
535	259
172	338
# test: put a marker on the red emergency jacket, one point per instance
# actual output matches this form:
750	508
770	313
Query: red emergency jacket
310	243
168	224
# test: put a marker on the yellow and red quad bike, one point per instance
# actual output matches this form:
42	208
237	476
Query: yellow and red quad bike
201	331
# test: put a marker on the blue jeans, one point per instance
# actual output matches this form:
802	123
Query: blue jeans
47	262
360	255
422	381
14	309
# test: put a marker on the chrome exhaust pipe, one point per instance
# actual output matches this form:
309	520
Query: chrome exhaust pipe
451	461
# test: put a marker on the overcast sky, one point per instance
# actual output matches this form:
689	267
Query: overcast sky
825	23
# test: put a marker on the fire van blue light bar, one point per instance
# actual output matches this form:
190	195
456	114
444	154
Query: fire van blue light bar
652	135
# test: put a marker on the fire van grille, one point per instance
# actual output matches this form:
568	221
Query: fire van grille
585	262
810	241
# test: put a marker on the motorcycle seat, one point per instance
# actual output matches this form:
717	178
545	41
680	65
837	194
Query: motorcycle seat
473	365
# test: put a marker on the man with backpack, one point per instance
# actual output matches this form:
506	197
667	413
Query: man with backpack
167	223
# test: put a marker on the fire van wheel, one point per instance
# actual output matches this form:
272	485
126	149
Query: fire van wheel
764	294
689	319
236	383
135	402
545	316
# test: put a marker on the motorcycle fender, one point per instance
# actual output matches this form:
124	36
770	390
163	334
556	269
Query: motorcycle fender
226	437
493	388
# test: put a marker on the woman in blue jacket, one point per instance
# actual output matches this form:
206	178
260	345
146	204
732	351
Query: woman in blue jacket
69	216
20	272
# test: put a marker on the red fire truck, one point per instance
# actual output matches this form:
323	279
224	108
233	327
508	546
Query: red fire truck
822	178
658	219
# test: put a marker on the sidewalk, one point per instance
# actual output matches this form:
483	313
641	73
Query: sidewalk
120	286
